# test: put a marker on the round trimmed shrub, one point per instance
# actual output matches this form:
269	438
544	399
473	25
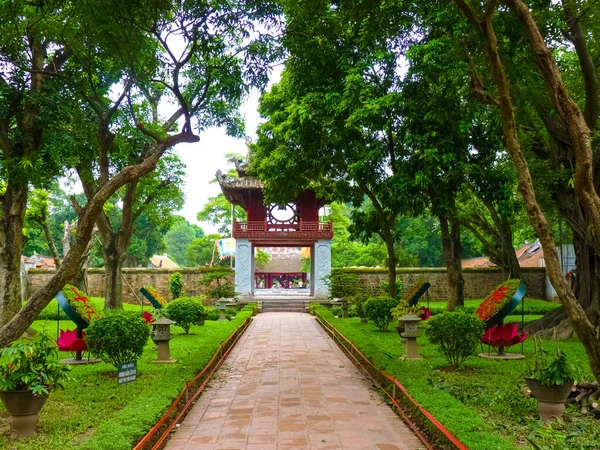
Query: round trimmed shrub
176	285
119	337
457	334
186	311
377	309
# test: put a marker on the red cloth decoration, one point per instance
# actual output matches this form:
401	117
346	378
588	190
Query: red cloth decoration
69	342
504	335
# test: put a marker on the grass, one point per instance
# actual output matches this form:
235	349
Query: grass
94	413
481	404
530	306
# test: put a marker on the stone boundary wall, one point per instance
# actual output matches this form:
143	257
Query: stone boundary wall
137	278
478	282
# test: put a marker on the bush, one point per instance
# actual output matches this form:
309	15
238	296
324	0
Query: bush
457	334
186	311
213	313
385	287
377	309
119	337
359	300
176	285
219	284
342	284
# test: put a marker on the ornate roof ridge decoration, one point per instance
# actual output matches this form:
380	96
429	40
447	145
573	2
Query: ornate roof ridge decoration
244	182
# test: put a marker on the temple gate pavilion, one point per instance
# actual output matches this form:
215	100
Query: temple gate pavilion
293	225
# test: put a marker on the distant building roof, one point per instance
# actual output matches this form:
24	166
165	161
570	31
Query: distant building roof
529	255
163	262
36	261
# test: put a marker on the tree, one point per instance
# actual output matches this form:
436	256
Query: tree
577	126
332	127
348	252
154	195
179	237
61	69
38	212
201	252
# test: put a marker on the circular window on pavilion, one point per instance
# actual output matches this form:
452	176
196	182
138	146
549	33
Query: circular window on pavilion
283	214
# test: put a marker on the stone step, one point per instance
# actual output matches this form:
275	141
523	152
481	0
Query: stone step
282	305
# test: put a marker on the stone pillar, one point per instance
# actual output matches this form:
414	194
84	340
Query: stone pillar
243	267
321	267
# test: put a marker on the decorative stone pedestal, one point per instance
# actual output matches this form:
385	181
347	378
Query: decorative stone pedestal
161	335
411	325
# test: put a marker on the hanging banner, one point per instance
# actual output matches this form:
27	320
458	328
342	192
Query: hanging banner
226	247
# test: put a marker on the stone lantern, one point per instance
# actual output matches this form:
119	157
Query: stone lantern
161	335
411	332
344	301
222	305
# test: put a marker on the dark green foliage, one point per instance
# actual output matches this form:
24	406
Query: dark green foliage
219	284
457	334
378	309
342	284
176	285
31	364
186	311
359	302
385	286
119	337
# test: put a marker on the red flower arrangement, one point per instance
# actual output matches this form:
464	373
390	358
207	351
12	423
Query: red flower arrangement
499	297
80	303
154	293
424	313
147	317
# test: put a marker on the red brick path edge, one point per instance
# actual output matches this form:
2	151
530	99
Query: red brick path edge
432	433
156	438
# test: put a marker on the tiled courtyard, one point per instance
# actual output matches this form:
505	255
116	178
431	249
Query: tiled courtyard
287	385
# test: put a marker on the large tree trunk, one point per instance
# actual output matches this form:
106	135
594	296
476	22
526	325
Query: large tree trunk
14	204
392	262
511	263
585	330
50	242
450	229
113	263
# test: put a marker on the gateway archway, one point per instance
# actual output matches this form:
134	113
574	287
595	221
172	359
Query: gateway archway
293	225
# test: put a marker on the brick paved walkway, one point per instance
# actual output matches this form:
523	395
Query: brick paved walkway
286	384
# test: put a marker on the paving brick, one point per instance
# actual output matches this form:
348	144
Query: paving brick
286	385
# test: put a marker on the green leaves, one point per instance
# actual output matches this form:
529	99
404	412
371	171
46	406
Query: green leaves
31	364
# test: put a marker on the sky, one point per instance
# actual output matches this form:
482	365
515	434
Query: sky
204	158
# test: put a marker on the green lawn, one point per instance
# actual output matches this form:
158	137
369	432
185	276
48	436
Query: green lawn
94	413
530	306
481	404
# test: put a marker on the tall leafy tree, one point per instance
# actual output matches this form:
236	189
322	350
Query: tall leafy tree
79	79
179	237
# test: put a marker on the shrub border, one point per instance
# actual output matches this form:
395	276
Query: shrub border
418	418
156	438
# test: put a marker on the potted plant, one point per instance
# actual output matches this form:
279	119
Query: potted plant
550	383
28	372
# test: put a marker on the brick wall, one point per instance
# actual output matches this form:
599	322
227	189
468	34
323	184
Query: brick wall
136	278
478	282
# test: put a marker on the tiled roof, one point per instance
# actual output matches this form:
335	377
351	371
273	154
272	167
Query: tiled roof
163	262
